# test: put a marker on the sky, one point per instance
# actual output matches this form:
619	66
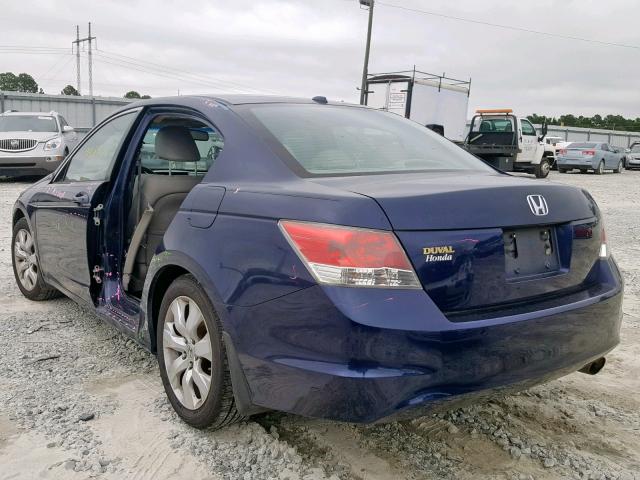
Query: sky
308	48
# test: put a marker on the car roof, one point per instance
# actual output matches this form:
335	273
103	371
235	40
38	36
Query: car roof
34	114
240	99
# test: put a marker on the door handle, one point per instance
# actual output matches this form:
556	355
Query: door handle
81	198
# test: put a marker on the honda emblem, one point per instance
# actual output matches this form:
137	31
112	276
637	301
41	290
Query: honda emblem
538	205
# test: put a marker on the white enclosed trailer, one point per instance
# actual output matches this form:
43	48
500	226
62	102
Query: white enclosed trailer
428	99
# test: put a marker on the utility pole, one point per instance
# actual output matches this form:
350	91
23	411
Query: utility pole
90	38
77	43
365	68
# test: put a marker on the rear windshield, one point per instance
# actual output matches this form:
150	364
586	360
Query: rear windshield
485	124
582	145
336	140
28	123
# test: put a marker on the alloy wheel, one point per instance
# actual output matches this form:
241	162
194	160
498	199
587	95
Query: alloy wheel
187	352
26	261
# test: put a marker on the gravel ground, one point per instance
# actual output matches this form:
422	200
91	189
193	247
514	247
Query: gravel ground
79	400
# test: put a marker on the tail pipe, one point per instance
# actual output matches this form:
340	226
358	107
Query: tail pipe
593	367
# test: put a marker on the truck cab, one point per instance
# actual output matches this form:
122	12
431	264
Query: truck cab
508	142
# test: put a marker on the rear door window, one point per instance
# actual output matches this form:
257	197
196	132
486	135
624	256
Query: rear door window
208	140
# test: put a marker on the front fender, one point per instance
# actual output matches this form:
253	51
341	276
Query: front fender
21	210
540	150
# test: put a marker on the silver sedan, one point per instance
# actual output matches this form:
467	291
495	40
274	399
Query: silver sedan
596	156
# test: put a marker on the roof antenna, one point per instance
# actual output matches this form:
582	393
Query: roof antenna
320	99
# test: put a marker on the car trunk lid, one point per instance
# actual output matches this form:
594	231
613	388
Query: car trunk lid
478	241
465	200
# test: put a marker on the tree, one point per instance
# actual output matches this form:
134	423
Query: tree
20	83
8	82
609	122
134	94
26	83
69	90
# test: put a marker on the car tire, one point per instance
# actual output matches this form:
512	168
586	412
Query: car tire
600	169
618	169
26	267
543	168
186	347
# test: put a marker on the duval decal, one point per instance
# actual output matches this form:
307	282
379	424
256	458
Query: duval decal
441	253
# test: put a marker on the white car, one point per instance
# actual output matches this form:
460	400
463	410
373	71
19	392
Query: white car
33	143
633	157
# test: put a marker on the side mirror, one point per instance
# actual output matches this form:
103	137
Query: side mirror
68	128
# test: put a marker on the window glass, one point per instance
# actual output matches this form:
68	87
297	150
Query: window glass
28	123
63	122
527	128
636	148
581	145
208	141
485	124
94	160
335	140
604	147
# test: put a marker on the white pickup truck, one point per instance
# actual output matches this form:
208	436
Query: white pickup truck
508	142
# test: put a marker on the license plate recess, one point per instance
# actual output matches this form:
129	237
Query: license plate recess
530	252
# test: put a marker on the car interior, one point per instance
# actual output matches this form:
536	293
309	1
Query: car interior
174	156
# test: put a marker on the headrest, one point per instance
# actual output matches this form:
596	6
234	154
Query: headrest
175	143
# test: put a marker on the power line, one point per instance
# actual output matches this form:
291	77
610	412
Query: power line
510	27
57	67
181	72
32	47
139	68
168	72
132	63
25	52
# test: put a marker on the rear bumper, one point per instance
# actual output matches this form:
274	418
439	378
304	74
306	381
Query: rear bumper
15	166
366	355
580	164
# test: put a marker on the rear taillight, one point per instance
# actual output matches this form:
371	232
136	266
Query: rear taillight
588	153
338	255
604	251
562	151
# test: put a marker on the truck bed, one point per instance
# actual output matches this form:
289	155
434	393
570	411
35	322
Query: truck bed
492	144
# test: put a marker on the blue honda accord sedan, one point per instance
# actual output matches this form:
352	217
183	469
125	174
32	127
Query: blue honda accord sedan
318	258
